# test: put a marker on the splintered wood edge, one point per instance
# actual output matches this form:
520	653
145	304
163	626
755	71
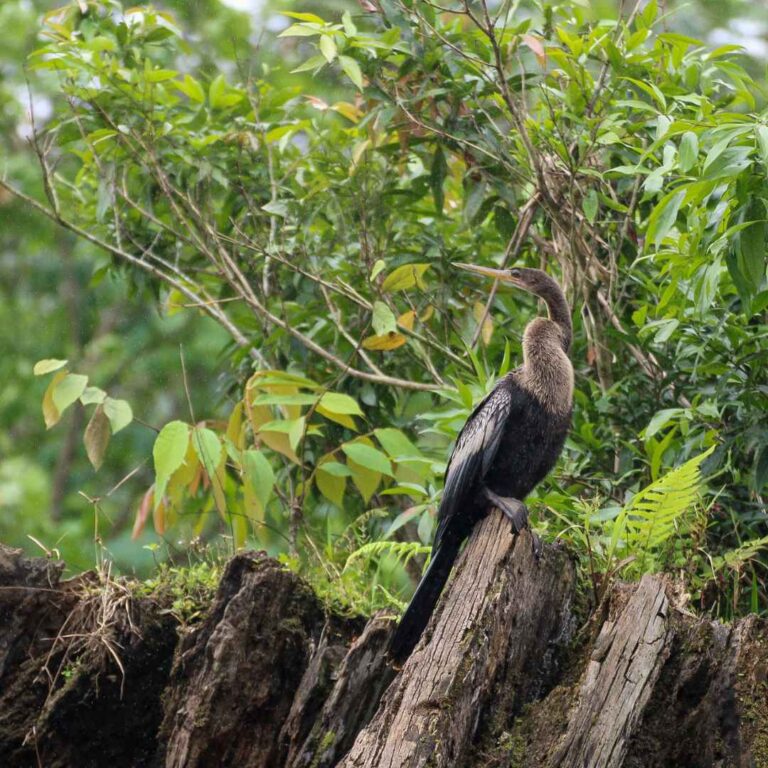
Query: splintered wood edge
619	679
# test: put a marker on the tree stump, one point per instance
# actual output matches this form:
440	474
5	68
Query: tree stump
495	629
270	678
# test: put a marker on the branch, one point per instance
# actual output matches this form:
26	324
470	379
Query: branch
210	309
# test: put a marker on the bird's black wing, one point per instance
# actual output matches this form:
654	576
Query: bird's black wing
475	450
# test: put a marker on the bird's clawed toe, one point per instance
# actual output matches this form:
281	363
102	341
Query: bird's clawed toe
537	546
513	509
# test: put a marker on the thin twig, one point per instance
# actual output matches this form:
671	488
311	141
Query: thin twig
513	249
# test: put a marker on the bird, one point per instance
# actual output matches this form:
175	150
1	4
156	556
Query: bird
509	443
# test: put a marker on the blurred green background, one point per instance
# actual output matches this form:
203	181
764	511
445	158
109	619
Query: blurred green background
56	299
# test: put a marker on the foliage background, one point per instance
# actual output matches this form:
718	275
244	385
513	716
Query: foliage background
342	187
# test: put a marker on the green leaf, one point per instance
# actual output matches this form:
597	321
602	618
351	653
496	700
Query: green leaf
729	163
208	449
760	477
168	453
660	420
96	437
752	250
663	216
191	88
315	62
368	457
68	390
93	395
216	91
349	27
301	30
311	17
395	443
377	268
336	468
437	176
665	330
118	412
342	404
384	320
762	142
328	48
474	201
269	378
160	75
689	151
405	277
220	95
48	366
260	476
352	70
331	484
272	399
590	206
294	428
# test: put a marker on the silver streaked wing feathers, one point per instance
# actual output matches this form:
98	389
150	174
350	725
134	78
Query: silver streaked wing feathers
475	450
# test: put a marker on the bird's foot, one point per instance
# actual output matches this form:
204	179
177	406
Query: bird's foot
517	513
513	509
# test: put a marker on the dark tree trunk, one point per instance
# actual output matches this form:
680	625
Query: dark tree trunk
503	678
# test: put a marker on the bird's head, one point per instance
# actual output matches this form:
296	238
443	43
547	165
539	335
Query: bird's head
539	283
535	281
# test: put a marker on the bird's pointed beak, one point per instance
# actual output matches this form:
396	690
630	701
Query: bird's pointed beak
497	274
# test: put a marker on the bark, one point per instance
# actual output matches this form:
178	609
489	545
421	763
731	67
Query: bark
501	599
92	674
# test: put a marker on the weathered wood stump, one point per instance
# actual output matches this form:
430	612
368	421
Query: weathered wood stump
504	676
493	634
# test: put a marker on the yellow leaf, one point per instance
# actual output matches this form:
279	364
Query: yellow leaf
51	413
406	320
478	310
253	509
235	431
350	111
331	486
427	313
339	418
183	480
217	484
175	302
386	341
358	152
259	415
239	526
407	276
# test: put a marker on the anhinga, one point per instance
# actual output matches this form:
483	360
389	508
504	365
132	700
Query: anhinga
510	442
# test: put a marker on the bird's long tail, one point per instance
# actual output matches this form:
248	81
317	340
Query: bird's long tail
416	616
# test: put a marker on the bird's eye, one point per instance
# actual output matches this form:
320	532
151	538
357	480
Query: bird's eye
514	273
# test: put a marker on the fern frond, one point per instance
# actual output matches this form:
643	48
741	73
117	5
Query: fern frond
651	516
735	558
402	550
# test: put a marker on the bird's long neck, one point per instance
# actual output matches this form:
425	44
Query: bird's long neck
547	371
560	313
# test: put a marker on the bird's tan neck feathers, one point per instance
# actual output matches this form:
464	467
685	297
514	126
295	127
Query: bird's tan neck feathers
547	372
